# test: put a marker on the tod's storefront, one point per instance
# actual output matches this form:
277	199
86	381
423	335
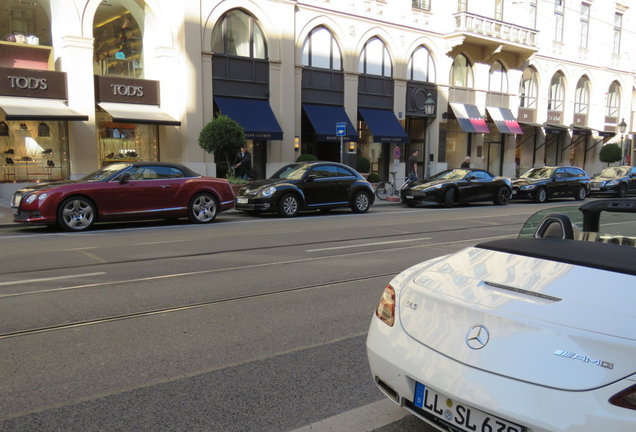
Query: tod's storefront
33	125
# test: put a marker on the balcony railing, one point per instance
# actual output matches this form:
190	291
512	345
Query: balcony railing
467	22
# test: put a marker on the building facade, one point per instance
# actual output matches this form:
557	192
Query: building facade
512	84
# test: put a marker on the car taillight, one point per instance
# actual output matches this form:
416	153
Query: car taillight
625	399
386	309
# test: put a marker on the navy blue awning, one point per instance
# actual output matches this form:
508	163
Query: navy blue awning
254	115
384	125
324	118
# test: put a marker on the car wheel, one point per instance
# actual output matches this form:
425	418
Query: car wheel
76	214
360	202
622	190
449	197
540	195
581	193
288	205
203	208
503	196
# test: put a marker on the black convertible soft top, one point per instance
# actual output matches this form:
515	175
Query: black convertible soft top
603	256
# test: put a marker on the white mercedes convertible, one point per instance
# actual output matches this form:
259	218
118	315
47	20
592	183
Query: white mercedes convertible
535	333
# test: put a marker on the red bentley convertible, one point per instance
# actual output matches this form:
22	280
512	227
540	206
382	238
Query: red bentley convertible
124	191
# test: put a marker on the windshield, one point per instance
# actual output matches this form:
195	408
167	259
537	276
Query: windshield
291	172
538	173
612	172
456	174
104	173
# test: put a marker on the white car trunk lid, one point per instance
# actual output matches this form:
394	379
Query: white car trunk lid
534	320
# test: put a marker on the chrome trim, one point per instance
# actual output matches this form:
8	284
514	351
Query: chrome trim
149	211
327	204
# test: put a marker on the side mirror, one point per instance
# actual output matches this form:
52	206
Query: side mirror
310	178
471	177
125	178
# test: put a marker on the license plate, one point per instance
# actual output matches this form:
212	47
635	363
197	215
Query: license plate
514	192
410	197
241	200
595	188
459	415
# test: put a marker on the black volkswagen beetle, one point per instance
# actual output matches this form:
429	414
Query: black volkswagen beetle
619	181
307	186
542	183
458	186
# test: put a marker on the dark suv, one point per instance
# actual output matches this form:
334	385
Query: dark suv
619	181
543	183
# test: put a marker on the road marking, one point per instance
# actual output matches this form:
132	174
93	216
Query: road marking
253	266
366	418
367	244
26	281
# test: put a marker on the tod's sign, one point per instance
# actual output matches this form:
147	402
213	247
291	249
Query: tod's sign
126	90
32	83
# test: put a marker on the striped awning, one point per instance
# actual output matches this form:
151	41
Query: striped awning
504	120
469	118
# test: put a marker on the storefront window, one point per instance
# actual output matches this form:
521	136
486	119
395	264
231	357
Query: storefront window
421	65
126	142
556	94
118	39
582	96
238	34
34	151
528	89
25	22
462	72
498	78
375	59
613	100
321	50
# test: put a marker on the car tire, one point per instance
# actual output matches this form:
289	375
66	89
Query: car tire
503	196
76	214
449	197
360	202
203	208
581	193
540	195
288	205
621	192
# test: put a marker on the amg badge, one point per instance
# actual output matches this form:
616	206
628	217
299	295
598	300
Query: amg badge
584	358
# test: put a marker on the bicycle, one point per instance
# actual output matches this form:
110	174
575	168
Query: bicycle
388	191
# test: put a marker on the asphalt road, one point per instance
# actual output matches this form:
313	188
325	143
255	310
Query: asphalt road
247	324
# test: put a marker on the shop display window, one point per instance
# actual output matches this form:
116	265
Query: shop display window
34	151
126	142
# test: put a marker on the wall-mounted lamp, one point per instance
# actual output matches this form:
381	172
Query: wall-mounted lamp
296	143
429	105
4	129
352	146
43	130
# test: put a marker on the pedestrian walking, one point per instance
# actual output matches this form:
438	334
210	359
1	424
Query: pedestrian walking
466	163
243	163
411	166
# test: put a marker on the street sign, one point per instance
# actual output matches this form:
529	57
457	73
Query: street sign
341	129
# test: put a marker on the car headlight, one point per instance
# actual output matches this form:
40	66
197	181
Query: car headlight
30	198
527	187
268	192
611	183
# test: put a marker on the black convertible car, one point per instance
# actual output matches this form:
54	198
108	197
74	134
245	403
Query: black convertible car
307	186
619	181
458	186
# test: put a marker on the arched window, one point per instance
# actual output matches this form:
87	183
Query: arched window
582	96
321	50
118	37
613	100
462	72
556	94
25	22
375	59
498	81
238	34
421	65
528	88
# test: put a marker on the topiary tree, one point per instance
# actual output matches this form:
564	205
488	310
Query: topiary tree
610	153
306	157
222	136
363	164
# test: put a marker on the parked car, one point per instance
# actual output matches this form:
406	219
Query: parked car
534	333
307	186
619	181
458	186
544	183
124	191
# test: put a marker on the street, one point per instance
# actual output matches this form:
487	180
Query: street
247	324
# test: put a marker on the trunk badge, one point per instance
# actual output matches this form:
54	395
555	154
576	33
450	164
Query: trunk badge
477	337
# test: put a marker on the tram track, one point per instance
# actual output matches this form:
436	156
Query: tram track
183	307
